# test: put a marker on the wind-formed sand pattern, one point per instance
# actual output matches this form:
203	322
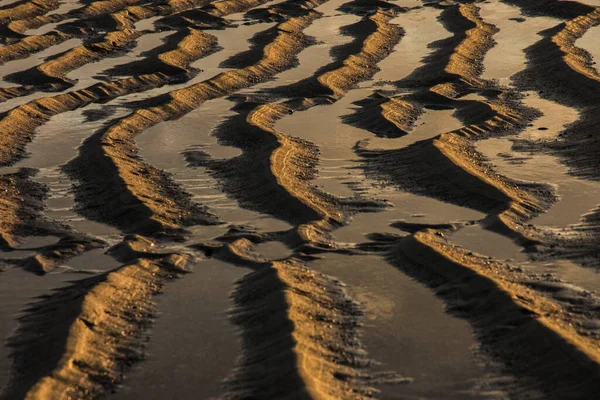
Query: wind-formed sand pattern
324	199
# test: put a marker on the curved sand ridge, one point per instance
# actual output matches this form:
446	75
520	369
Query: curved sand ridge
555	65
98	16
300	330
310	341
21	123
521	206
311	373
168	213
27	9
447	166
54	383
531	331
96	335
292	160
21	214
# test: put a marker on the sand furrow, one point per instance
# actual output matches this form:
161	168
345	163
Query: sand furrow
52	73
298	327
385	116
555	65
278	139
194	45
99	16
20	123
451	71
95	327
27	9
21	208
537	338
291	167
113	149
448	167
21	213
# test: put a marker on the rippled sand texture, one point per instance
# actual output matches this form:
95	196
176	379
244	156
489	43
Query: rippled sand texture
324	199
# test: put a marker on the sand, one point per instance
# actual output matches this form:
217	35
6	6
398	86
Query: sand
299	199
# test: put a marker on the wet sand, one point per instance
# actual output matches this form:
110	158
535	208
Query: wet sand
322	199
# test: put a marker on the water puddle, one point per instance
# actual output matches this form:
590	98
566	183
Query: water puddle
408	3
406	207
90	262
576	196
8	4
162	144
595	3
26	247
488	243
272	250
321	125
42	30
498	247
414	45
146	24
517	32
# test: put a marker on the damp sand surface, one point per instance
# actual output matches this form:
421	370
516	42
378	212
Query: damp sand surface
281	247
